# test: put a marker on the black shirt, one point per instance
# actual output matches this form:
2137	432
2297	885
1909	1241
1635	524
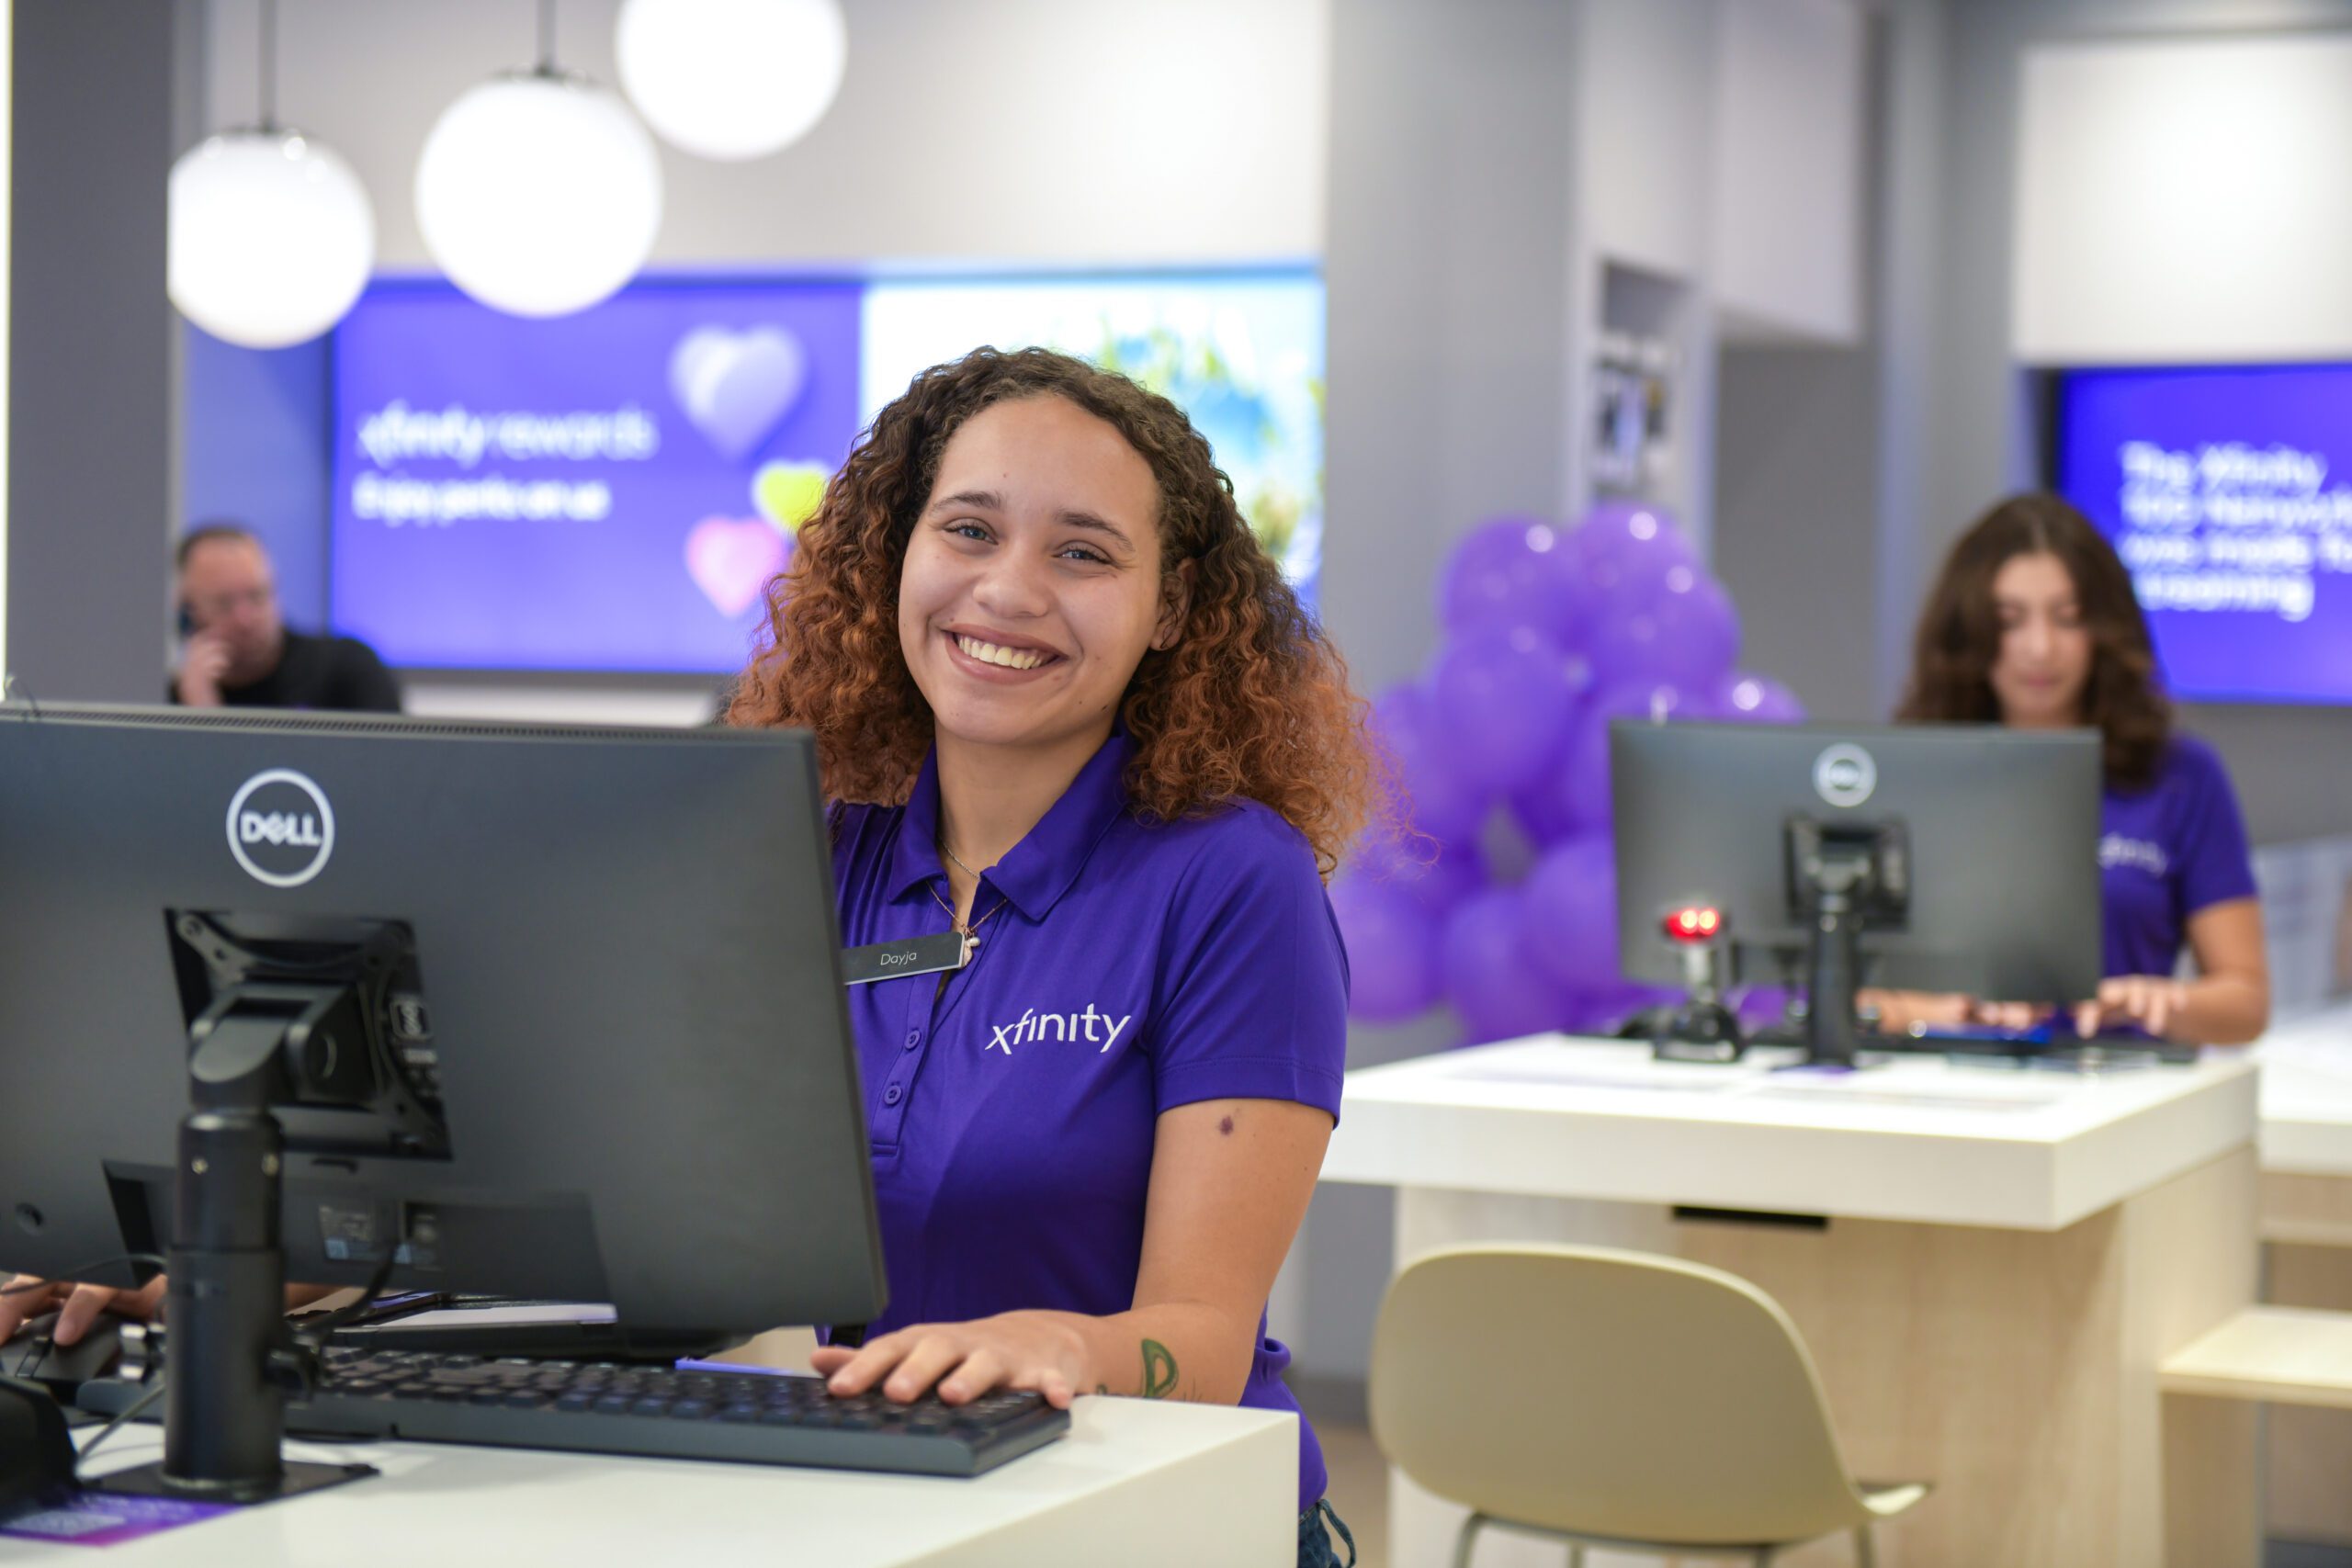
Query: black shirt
319	673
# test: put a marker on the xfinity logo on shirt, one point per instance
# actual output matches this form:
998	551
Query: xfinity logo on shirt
1033	1026
2116	849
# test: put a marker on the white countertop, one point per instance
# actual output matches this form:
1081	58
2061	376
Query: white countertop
2307	1094
1916	1139
1140	1480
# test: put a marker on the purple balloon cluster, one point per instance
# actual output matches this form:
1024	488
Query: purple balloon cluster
1549	634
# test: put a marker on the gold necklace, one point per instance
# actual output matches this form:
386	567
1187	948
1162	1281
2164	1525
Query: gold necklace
969	933
951	854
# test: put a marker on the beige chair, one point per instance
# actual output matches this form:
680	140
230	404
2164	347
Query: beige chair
1612	1399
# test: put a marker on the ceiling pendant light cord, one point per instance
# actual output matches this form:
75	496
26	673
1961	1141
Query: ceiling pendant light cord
270	67
547	38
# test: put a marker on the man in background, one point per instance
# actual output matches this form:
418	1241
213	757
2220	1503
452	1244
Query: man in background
238	651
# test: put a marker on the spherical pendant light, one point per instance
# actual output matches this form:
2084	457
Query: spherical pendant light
732	79
539	194
270	237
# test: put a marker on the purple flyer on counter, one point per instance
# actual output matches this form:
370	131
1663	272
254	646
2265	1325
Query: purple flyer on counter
101	1518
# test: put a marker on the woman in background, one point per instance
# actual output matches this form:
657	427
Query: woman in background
2032	624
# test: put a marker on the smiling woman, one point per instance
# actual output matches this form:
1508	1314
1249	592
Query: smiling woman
1248	701
1066	704
1022	616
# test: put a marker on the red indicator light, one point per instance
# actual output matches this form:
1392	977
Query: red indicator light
1696	923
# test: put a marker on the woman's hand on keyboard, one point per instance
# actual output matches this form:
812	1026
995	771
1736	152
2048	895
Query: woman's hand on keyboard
1039	1350
77	1306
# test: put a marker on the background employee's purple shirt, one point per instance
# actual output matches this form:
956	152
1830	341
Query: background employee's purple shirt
2165	852
1136	967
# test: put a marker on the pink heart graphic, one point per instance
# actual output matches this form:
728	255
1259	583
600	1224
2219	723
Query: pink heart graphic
731	559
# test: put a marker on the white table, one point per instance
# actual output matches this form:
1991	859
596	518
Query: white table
2307	1219
1133	1482
2307	1098
2008	1255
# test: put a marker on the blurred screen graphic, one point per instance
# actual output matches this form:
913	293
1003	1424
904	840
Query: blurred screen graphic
612	491
2228	493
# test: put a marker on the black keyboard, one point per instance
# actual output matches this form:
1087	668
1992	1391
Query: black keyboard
659	1411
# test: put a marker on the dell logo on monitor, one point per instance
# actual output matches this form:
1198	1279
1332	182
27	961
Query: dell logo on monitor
1844	774
281	829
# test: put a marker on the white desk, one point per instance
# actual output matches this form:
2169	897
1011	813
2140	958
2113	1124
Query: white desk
1913	1140
2007	1256
2307	1218
1180	1485
2307	1096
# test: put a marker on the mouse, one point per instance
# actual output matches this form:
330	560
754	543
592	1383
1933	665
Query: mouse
33	1355
36	1455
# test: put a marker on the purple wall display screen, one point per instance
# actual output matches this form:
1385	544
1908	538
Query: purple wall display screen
603	491
2227	492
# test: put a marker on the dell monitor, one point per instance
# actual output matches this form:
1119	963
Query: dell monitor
531	1012
1942	858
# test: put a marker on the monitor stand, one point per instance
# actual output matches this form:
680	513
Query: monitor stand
1832	1030
1843	875
228	1356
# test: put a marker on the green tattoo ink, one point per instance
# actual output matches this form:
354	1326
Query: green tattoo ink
1159	1371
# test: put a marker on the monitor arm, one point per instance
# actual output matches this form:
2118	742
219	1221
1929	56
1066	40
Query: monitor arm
1843	875
230	1359
1834	974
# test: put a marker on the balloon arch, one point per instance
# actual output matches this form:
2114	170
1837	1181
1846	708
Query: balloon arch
1549	633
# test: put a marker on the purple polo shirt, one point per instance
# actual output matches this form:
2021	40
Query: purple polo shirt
2166	851
1134	967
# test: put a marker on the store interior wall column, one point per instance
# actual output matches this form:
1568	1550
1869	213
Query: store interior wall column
7	34
1451	151
90	360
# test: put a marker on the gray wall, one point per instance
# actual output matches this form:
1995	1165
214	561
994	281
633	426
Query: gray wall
1140	131
1820	468
1446	261
91	356
1796	511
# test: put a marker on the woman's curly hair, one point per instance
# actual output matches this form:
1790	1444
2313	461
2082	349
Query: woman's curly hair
1250	701
1960	633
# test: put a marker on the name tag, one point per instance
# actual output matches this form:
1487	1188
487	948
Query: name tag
919	956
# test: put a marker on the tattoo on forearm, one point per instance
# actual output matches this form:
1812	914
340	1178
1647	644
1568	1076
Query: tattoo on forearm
1159	1371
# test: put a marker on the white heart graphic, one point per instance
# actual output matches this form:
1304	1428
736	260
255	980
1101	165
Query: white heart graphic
737	387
